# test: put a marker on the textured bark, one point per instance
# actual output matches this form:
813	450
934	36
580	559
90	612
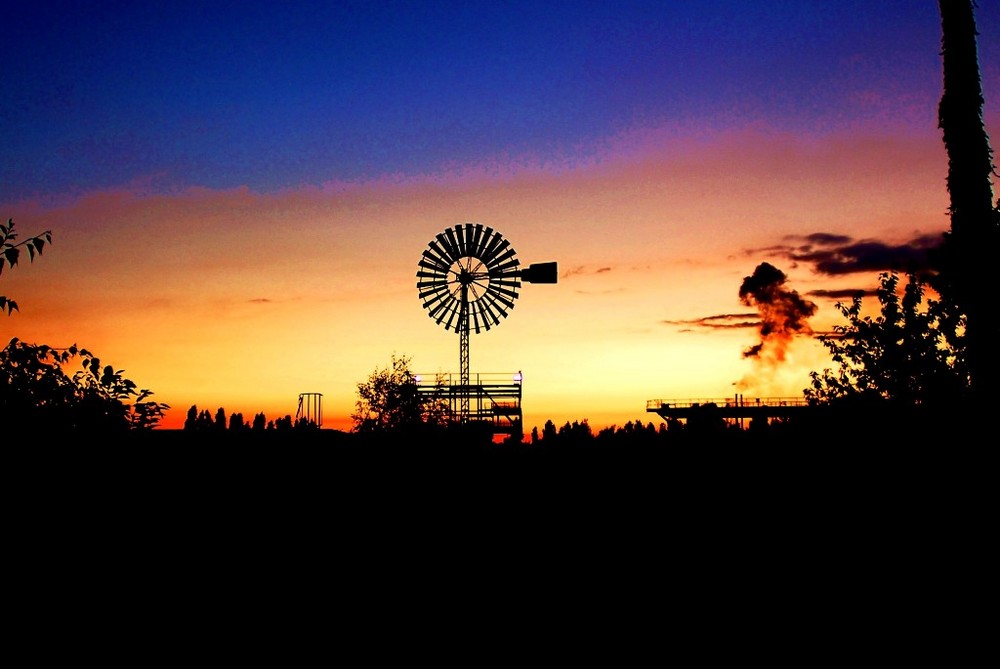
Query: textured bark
968	269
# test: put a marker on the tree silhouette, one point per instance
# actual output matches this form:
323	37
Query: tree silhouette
38	395
969	252
390	401
910	354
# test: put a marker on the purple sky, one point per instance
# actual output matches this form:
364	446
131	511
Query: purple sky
164	96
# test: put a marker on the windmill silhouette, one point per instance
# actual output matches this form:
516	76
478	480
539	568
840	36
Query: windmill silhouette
468	279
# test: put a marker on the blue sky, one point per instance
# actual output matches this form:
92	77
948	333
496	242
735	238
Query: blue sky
278	95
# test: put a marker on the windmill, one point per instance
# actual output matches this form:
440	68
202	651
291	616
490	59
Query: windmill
468	279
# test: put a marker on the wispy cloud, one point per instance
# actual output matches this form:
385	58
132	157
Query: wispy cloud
583	270
716	322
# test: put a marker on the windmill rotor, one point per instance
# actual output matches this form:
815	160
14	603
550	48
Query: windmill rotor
468	277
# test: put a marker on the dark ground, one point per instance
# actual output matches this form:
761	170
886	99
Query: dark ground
820	549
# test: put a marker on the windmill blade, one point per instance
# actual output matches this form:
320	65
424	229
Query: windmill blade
432	287
439	305
504	261
433	281
488	320
463	246
508	281
452	236
480	238
429	294
431	270
494	305
451	313
494	248
447	241
511	281
433	275
507	292
436	301
505	296
491	310
469	231
475	321
435	254
497	297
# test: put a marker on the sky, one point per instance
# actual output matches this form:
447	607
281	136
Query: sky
239	193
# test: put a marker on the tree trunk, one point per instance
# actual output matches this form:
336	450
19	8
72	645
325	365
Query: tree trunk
968	277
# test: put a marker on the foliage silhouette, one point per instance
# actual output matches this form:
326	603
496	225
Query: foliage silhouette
909	354
38	395
10	253
390	402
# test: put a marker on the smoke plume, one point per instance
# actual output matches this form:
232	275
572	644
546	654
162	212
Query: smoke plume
783	313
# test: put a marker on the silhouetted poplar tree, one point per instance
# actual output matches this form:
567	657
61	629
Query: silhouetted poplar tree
969	254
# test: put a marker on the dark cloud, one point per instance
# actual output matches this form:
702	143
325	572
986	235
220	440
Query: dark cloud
842	294
836	255
825	239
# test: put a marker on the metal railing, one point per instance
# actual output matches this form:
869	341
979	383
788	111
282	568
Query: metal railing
487	397
739	401
451	379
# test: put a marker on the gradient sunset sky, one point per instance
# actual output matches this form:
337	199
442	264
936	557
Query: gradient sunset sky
239	192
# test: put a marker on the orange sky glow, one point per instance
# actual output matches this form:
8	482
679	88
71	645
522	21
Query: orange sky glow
243	301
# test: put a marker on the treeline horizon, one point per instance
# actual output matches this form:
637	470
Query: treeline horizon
891	423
